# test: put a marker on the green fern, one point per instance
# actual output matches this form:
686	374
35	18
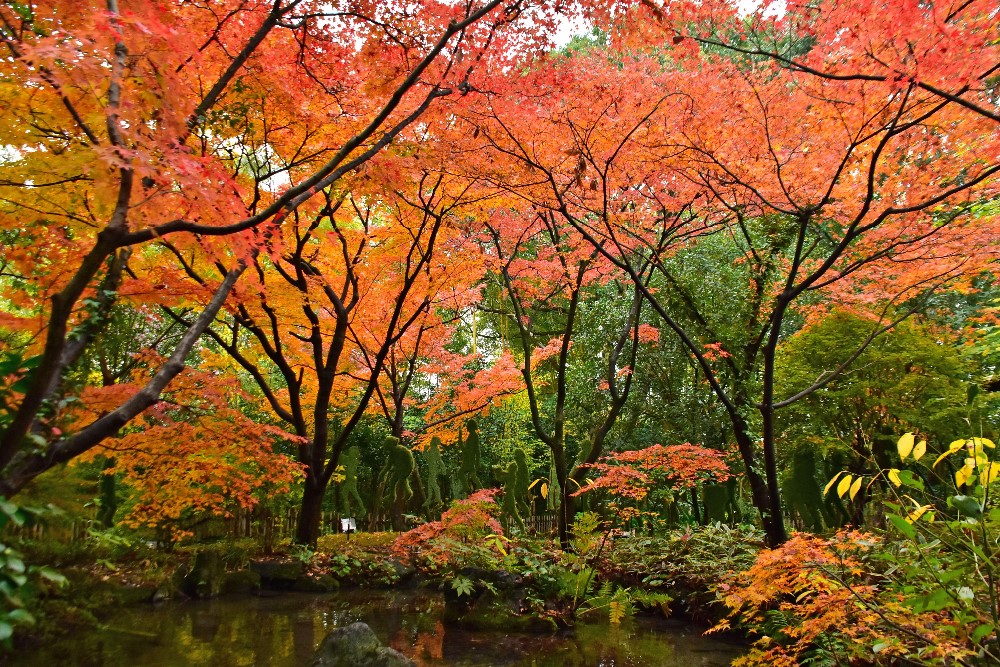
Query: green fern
463	586
652	600
617	602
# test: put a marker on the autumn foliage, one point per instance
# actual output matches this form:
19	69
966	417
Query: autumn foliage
195	454
366	216
167	148
633	474
815	596
467	521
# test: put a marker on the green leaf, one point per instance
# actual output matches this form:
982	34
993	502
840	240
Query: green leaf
10	363
966	505
463	586
12	512
6	631
52	575
910	479
21	616
951	575
936	601
23	10
981	632
903	526
15	564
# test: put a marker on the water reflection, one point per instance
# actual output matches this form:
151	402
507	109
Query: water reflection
284	631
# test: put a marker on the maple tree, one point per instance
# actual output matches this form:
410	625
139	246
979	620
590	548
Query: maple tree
842	188
632	474
925	590
429	369
316	335
194	453
576	160
467	520
830	589
317	186
944	49
544	270
193	130
422	376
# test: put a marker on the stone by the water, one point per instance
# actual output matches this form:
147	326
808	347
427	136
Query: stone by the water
356	645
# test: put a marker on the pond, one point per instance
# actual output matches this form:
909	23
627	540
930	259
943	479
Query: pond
284	630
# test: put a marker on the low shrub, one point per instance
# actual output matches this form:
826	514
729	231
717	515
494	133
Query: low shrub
468	535
360	559
686	564
925	590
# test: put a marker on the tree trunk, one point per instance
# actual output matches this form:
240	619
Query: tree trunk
567	510
107	504
695	514
398	509
310	512
564	514
764	499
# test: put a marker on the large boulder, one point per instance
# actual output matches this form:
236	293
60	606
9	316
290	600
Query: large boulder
278	574
357	646
316	583
240	581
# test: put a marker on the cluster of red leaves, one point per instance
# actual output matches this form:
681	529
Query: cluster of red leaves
468	519
825	589
633	474
714	352
464	391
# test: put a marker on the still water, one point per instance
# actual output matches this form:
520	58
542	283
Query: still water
284	630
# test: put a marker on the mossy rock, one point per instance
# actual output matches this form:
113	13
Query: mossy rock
321	583
166	591
113	593
135	593
356	646
241	581
403	572
109	592
206	576
278	574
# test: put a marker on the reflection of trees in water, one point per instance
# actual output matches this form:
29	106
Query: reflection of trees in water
421	644
304	636
229	633
285	631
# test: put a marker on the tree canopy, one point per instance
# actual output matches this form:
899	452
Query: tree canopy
289	220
